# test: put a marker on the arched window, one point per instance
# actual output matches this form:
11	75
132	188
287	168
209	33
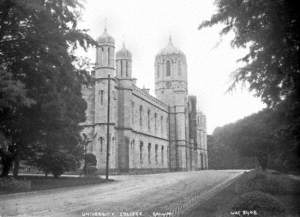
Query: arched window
101	96
149	153
148	116
141	152
168	68
161	124
157	70
102	56
121	67
132	112
101	143
126	68
141	116
108	56
162	155
179	68
156	150
155	122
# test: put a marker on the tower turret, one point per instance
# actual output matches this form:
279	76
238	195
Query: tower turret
104	94
170	74
124	63
171	88
105	53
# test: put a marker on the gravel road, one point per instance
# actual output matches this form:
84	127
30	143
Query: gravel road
128	195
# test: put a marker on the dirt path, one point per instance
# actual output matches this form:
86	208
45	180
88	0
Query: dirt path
131	194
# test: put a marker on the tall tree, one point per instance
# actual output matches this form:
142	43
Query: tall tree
270	29
37	42
252	136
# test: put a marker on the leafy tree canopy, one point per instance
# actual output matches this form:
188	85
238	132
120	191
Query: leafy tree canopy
42	102
270	30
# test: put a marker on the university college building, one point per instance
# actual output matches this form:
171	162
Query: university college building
146	133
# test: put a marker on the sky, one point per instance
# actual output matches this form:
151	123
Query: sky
145	26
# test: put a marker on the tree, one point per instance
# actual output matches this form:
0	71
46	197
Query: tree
270	29
90	159
37	43
224	156
252	136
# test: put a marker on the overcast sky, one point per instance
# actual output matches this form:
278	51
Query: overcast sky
145	26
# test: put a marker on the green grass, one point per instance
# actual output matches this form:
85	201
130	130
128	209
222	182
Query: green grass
43	183
281	186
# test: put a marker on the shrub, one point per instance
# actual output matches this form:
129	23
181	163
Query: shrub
91	170
90	159
14	185
264	204
57	163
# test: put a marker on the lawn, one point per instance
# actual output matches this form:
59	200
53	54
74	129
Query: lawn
35	183
282	188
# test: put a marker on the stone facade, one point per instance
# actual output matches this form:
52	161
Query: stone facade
147	134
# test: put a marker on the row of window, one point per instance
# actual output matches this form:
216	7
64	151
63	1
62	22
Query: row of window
168	68
149	150
158	121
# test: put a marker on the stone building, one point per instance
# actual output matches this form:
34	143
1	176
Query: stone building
146	133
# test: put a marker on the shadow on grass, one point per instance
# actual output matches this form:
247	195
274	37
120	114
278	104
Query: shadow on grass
26	183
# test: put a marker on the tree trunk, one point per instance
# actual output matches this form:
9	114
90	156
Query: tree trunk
16	166
6	165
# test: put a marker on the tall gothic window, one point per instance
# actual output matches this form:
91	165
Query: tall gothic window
162	155
101	143
157	69
161	125
141	152
101	96
179	68
126	68
168	68
121	67
148	115
155	122
141	116
108	56
132	112
102	56
149	153
156	150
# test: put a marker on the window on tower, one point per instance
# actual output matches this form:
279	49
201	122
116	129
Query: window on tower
121	67
102	55
157	69
168	68
101	143
126	68
179	68
108	55
132	112
101	96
